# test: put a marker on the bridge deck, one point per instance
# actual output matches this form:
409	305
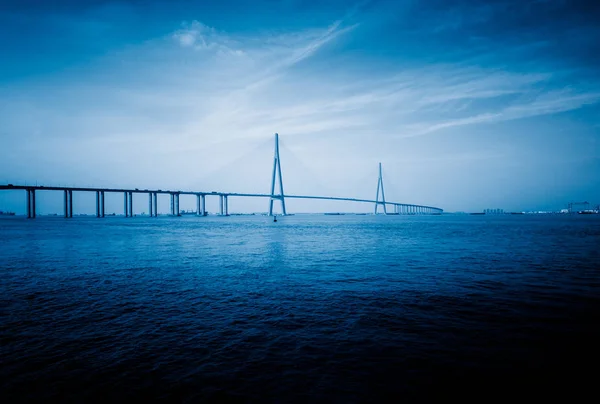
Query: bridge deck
179	192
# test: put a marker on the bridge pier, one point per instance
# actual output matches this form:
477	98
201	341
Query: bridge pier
125	204
68	203
226	205
28	192
100	204
155	204
97	203
31	203
220	205
172	204
177	205
128	204
201	204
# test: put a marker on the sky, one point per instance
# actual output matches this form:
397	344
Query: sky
468	105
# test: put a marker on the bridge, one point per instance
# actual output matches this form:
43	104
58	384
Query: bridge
277	179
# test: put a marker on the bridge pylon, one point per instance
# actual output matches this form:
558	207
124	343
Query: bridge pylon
277	172
380	185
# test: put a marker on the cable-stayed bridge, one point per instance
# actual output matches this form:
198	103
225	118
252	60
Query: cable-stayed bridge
397	208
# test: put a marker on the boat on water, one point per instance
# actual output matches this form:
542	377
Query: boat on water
2	213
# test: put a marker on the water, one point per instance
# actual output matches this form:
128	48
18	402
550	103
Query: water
311	308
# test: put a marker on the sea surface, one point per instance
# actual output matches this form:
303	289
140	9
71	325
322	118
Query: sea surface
309	309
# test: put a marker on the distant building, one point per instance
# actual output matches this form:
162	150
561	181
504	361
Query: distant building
493	211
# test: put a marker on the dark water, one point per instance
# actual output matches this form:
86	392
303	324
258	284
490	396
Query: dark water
309	309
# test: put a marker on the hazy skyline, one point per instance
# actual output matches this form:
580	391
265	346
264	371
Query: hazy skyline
467	105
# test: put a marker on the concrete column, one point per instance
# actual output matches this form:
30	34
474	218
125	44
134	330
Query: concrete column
203	204
177	205
198	212
125	195
155	204
33	203
66	203
70	203
28	203
97	203
102	211
130	204
226	205
150	205
172	204
221	205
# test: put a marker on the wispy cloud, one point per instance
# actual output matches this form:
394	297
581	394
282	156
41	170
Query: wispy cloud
529	105
199	36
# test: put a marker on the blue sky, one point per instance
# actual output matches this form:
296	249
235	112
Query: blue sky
468	105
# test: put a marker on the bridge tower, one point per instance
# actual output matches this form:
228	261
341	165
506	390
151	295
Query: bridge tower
277	172
380	185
